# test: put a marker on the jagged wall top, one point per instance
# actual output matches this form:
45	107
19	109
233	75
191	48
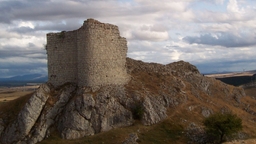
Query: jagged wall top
93	55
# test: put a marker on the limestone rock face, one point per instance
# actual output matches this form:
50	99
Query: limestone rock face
153	91
132	139
154	110
51	111
28	116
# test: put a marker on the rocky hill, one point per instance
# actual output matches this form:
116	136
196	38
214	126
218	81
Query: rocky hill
154	93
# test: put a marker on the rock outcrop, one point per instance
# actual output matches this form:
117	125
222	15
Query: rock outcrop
75	112
132	139
28	116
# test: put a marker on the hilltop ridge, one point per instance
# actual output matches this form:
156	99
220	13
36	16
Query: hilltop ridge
162	91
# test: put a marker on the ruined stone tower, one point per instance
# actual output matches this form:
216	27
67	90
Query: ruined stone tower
93	55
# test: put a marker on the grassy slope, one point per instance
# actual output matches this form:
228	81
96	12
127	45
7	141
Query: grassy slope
10	109
162	133
171	130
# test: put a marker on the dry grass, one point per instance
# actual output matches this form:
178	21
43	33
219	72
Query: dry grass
12	93
251	91
10	109
165	132
9	96
181	115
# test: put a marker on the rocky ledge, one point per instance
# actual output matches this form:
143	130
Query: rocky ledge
75	112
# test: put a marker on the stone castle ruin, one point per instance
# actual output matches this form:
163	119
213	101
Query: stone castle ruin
93	55
97	96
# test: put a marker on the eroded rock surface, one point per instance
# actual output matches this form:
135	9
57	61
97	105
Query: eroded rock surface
90	113
27	118
132	139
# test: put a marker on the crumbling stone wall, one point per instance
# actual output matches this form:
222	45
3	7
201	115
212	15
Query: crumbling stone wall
93	55
62	57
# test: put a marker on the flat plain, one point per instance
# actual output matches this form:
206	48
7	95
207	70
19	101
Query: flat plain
11	93
234	74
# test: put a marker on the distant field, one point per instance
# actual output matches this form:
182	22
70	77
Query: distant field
8	94
235	79
225	75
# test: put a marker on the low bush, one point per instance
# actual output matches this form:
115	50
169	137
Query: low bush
222	125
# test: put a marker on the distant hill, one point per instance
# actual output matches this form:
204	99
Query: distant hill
236	78
23	80
237	81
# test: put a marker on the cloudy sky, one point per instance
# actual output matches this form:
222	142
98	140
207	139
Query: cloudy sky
214	35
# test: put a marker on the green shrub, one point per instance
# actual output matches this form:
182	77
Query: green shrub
222	125
138	111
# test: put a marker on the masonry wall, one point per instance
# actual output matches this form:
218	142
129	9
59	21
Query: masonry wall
93	55
62	57
102	54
